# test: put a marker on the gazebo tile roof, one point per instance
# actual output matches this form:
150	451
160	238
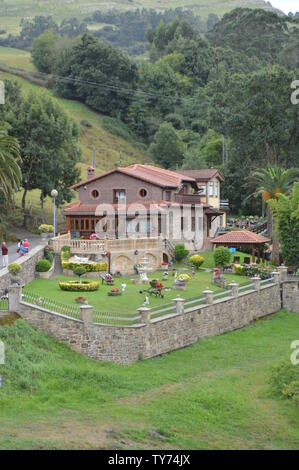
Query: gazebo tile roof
240	237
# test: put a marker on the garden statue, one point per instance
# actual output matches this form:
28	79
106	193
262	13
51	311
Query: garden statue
219	279
143	270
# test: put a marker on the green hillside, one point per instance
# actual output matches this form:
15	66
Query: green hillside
108	136
212	395
12	11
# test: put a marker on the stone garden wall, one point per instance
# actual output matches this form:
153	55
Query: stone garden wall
152	337
291	295
27	264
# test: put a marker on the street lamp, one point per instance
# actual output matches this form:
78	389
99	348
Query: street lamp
54	194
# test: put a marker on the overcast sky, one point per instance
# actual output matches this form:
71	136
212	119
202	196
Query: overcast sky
286	5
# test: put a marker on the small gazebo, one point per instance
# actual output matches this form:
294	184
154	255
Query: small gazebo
243	238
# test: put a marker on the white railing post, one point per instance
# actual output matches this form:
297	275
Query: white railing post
179	305
86	314
283	271
276	276
234	289
256	282
208	296
144	315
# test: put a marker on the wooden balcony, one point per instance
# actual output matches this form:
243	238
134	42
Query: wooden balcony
187	198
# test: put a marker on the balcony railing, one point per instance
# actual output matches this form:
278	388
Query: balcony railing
224	204
187	198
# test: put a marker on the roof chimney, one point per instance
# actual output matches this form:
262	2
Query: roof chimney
90	172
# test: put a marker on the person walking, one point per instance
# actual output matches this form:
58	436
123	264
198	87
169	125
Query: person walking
26	246
4	250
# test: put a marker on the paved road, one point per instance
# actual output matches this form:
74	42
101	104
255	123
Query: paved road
34	241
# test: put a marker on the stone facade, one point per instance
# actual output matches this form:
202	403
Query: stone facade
291	295
27	264
154	337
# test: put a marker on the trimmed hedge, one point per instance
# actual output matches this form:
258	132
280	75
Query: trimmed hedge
76	286
43	266
89	268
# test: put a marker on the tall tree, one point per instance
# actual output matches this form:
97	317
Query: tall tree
10	173
270	182
167	148
286	212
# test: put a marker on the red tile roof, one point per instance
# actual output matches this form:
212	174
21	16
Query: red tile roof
203	175
79	208
149	173
240	237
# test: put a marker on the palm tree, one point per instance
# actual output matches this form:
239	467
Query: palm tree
270	182
10	172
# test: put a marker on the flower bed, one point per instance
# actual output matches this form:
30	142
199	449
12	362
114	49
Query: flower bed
76	286
253	270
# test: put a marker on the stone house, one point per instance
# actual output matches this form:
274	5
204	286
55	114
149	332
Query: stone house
144	201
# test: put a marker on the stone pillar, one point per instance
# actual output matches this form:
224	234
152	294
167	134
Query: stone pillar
256	282
208	296
86	314
234	289
14	298
276	276
179	305
144	315
283	271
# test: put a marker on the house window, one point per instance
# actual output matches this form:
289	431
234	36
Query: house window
92	225
72	224
87	224
119	195
167	195
211	189
203	190
216	189
143	192
77	224
82	224
95	193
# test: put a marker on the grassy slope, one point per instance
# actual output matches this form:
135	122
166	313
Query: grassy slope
106	144
214	394
11	11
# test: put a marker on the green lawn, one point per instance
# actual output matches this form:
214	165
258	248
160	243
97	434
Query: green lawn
214	394
16	58
131	299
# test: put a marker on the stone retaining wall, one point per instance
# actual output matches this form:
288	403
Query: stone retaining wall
291	295
27	264
151	338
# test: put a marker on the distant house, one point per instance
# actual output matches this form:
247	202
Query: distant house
107	205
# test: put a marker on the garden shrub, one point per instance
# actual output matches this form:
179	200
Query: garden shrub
43	266
76	286
240	270
44	228
184	278
14	269
196	260
49	253
180	252
285	381
222	256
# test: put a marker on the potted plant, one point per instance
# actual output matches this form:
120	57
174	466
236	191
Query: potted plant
81	300
114	292
14	270
45	231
